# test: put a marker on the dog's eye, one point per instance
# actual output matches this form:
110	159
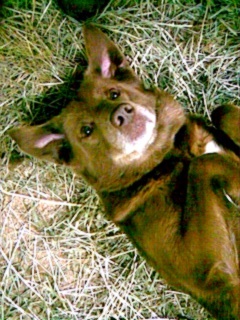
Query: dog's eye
114	94
86	130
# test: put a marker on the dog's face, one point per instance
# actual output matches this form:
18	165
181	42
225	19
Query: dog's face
115	131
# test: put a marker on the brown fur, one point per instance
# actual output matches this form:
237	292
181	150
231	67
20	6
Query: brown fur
178	205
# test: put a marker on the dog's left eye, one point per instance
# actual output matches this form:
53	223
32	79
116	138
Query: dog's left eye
114	94
86	130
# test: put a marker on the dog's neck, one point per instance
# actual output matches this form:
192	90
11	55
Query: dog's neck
121	204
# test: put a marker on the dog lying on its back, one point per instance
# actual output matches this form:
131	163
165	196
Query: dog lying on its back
166	178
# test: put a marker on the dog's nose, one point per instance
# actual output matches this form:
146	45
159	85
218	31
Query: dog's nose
122	116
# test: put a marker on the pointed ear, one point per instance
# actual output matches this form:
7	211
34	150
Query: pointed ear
104	57
46	142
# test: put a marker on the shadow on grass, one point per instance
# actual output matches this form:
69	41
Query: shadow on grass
50	104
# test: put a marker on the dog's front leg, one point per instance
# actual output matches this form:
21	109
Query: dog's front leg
211	230
227	119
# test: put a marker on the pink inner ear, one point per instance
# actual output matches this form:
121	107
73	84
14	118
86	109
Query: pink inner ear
45	140
106	66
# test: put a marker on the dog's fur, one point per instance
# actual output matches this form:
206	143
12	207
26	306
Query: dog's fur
169	180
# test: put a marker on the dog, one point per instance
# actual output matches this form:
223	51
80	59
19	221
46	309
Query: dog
168	179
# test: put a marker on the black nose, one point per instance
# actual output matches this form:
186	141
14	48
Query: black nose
122	116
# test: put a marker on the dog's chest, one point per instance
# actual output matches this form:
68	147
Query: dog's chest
150	211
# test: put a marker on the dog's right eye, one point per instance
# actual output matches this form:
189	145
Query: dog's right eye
114	94
86	131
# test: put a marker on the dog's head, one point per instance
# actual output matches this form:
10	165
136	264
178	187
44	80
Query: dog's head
116	131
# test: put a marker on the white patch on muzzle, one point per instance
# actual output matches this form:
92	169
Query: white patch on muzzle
133	149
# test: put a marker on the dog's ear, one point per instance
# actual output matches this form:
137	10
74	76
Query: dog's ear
104	57
46	142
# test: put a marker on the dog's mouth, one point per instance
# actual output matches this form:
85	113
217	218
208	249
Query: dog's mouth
128	121
135	128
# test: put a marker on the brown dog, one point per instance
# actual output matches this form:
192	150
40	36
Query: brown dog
167	179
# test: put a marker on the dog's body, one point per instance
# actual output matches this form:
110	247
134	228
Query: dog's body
168	180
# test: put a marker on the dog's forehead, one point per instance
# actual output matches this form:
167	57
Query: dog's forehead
94	87
76	110
80	113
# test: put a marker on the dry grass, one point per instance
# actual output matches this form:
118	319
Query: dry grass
59	257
